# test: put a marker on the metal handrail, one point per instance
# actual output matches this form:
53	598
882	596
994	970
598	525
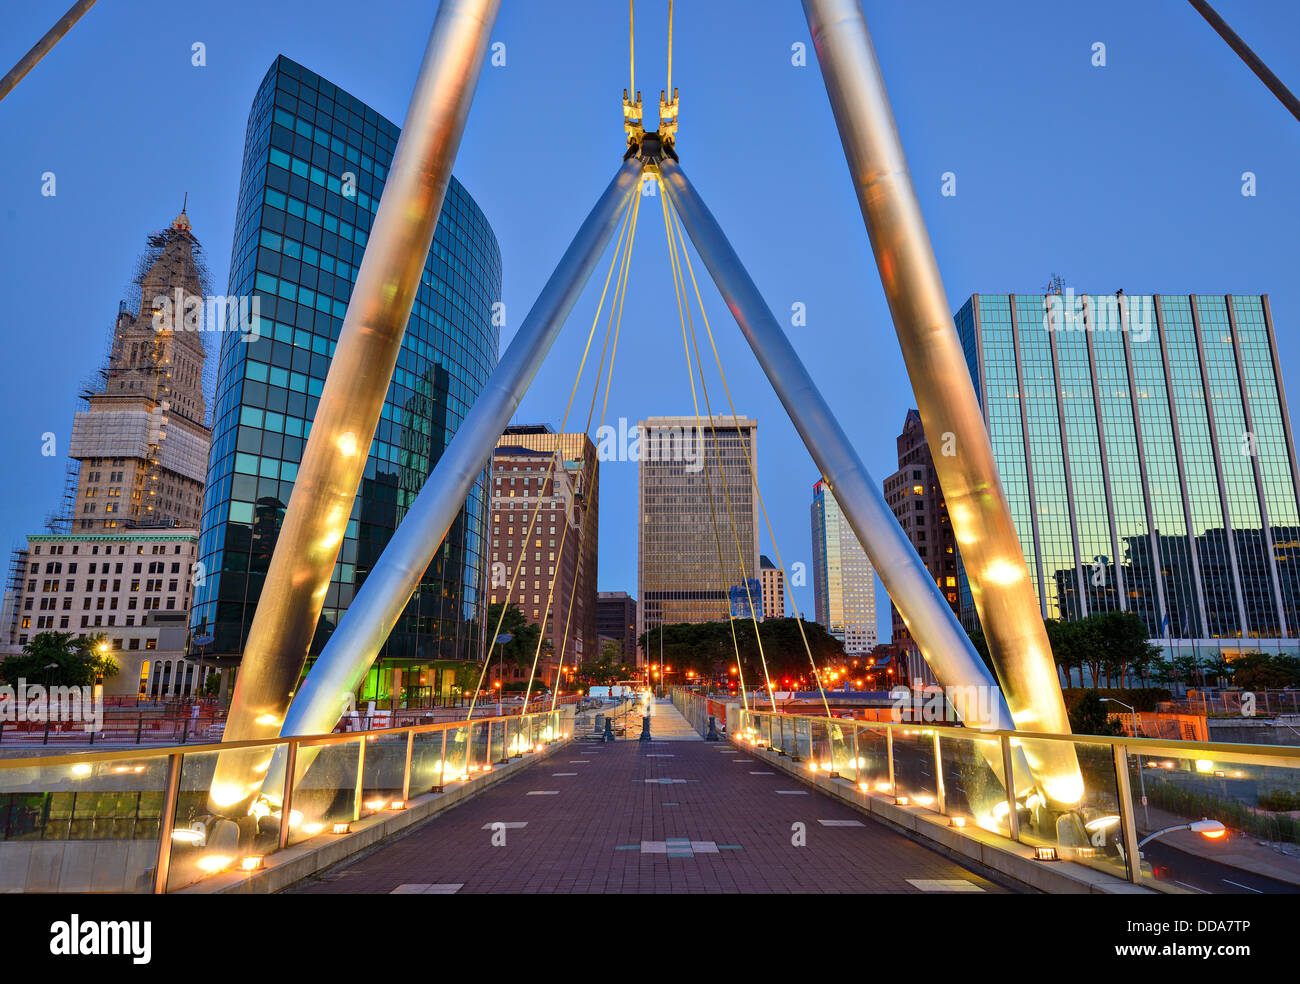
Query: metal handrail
1290	754
138	752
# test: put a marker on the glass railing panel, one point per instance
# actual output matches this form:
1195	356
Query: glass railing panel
914	770
843	755
972	777
1089	829
327	790
873	759
426	761
385	766
1244	812
81	827
209	835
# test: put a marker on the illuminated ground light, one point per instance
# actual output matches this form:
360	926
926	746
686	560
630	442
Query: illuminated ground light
1045	853
213	863
376	804
958	822
340	828
251	863
901	801
312	829
81	769
397	805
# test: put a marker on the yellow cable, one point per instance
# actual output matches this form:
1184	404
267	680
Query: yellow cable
684	317
750	462
631	55
670	50
582	534
550	468
620	292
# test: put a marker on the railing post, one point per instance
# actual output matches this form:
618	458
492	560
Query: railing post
857	759
939	792
487	751
505	742
286	799
361	772
139	726
442	762
166	823
1128	821
1009	783
889	754
406	769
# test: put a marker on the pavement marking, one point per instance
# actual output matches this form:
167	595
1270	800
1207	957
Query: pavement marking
792	792
1230	882
553	775
508	824
658	756
751	773
665	782
424	889
1177	882
571	762
678	847
664	804
944	885
737	761
543	792
841	823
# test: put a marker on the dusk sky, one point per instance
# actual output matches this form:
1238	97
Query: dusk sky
1123	176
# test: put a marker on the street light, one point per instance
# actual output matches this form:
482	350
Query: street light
1142	783
1211	829
501	641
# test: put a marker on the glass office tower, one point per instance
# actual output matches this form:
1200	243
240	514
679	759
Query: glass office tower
315	160
844	580
1146	450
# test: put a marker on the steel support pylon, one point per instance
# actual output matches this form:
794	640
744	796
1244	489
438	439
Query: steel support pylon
334	458
950	412
374	611
910	585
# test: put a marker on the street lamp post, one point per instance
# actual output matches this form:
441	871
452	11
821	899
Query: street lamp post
1206	828
1142	783
501	641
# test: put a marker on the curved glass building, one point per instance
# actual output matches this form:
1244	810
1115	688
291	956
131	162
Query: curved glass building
315	160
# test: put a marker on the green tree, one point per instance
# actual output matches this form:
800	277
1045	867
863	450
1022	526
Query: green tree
59	659
1090	717
1264	671
709	648
522	647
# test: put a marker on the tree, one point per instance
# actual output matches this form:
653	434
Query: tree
522	648
709	648
1090	717
1264	671
59	659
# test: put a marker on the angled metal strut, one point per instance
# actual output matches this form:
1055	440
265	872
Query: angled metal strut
950	412
334	459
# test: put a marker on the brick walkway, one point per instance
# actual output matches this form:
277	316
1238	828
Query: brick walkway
669	816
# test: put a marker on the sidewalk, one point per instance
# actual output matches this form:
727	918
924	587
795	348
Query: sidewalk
666	816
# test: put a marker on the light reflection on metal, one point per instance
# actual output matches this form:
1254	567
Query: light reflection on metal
359	375
981	518
909	583
42	47
361	632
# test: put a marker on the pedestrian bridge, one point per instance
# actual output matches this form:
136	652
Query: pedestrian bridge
779	803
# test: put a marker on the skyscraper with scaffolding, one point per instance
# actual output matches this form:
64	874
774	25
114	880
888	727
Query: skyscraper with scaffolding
141	443
118	560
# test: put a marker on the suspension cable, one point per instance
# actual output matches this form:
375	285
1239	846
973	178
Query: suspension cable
750	462
631	54
684	315
582	533
627	216
670	49
620	292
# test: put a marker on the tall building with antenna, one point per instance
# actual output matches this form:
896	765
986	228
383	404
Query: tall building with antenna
141	443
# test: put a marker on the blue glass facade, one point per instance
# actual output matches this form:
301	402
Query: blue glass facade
1146	452
315	160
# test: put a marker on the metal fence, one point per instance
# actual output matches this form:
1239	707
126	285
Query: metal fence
145	821
1132	787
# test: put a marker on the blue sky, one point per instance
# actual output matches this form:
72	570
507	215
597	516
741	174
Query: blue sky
1125	176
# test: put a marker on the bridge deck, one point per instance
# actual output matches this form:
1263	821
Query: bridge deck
662	816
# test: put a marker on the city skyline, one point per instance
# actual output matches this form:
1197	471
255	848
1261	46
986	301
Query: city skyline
942	128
